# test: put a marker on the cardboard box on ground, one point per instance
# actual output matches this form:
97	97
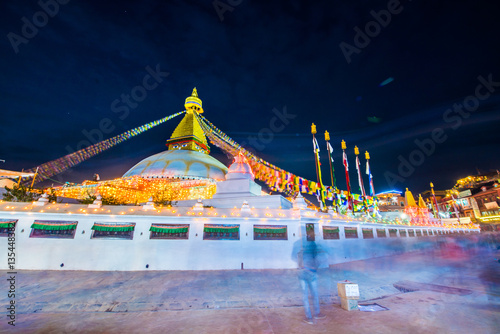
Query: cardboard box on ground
349	304
349	295
348	290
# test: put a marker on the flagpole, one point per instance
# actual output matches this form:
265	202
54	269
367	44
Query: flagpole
318	165
370	177
332	171
455	208
34	177
20	177
369	172
436	212
360	178
350	204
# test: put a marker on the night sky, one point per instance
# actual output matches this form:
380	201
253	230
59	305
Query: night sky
396	83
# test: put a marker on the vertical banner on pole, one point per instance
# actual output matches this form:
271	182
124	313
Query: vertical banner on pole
372	188
350	206
360	179
436	212
332	171
321	197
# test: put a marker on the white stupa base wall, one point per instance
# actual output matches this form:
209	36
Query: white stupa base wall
194	253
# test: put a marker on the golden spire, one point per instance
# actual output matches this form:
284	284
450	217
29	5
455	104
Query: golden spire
421	202
356	150
188	135
409	200
343	145
367	155
193	103
313	129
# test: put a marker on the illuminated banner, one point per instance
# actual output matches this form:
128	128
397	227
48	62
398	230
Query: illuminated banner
475	208
491	205
464	193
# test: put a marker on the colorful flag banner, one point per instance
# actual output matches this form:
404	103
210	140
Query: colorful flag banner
350	205
266	174
360	178
369	173
57	166
330	150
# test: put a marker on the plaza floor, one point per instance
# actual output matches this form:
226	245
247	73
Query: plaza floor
264	301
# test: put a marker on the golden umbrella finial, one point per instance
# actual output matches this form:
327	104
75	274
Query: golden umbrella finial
313	129
367	155
356	150
327	136
193	103
343	144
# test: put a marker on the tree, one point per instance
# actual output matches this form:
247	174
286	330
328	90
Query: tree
109	200
20	193
52	195
106	200
88	200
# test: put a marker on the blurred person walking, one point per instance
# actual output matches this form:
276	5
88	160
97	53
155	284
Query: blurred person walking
308	258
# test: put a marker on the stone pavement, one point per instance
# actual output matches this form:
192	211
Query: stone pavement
261	301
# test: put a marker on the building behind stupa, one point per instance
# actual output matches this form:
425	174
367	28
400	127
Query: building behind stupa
184	171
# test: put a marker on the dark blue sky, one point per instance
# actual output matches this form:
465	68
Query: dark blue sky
263	55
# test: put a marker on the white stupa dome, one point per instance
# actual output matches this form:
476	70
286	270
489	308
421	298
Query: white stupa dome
179	164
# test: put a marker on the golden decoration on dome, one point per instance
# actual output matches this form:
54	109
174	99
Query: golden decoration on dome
136	190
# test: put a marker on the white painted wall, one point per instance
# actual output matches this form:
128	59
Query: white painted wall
84	253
